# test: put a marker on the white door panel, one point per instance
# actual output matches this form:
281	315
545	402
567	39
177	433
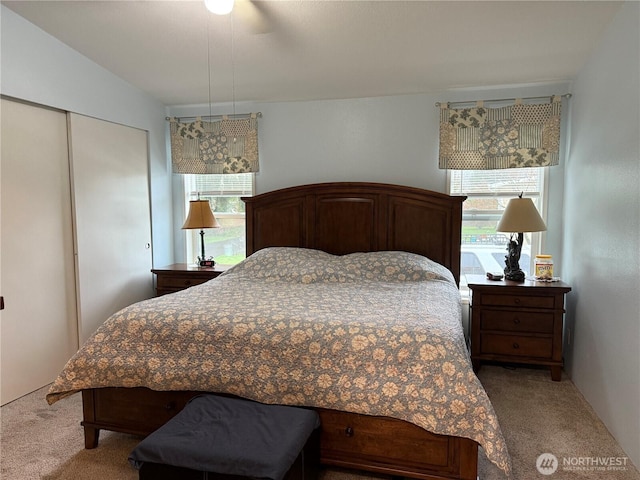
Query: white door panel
38	325
110	186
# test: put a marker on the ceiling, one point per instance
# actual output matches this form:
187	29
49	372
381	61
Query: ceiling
323	49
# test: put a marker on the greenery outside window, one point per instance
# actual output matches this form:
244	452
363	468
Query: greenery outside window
488	192
225	244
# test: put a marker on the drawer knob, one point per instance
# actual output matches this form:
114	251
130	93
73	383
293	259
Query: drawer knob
515	345
170	406
349	431
187	282
516	320
516	301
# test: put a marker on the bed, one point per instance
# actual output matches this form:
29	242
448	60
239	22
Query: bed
327	312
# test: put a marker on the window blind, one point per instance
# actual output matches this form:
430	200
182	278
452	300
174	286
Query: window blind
236	184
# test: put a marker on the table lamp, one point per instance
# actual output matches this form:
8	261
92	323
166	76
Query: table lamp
200	216
520	216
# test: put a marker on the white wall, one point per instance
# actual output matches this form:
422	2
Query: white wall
602	231
384	139
38	68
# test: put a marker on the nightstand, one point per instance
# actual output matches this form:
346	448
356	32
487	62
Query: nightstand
179	276
517	322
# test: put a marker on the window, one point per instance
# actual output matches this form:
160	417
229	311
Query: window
226	244
488	192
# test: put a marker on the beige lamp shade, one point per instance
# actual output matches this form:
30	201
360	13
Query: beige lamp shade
521	215
200	215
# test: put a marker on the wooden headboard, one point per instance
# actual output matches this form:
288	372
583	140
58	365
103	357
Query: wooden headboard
348	217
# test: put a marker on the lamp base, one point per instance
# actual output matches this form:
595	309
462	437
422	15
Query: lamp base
515	275
512	269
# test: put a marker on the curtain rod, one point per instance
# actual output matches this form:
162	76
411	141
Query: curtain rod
566	95
230	115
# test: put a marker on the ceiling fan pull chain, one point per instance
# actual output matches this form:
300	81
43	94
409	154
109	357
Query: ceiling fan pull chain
233	69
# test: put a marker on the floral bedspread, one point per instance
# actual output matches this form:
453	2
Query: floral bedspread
372	333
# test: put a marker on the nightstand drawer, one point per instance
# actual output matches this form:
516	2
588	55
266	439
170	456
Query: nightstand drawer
515	345
517	321
518	300
178	281
179	276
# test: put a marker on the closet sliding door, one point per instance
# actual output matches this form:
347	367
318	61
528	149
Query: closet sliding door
38	323
75	243
110	194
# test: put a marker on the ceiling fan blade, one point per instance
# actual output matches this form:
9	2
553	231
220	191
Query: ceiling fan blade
255	15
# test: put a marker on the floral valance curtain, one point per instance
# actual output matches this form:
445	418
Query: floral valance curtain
481	138
224	146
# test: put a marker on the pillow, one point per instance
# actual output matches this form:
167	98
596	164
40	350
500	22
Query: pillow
394	266
291	264
303	265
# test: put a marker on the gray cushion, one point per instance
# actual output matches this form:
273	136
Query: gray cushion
230	436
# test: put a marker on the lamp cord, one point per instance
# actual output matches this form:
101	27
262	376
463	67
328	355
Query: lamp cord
209	58
233	64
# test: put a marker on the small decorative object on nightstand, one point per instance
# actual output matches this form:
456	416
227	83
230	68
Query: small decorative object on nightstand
517	322
179	276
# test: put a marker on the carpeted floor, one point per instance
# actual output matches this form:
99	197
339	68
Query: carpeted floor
536	415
